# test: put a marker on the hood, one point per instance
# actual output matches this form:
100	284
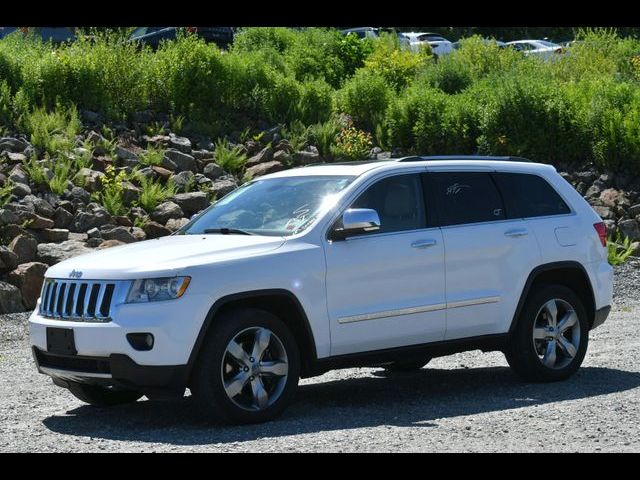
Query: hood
164	256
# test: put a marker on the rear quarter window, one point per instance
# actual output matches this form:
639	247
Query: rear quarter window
527	195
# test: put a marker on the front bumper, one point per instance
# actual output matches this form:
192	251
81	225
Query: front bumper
115	370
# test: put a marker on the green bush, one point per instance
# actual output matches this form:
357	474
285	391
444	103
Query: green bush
53	131
231	159
153	192
365	98
352	144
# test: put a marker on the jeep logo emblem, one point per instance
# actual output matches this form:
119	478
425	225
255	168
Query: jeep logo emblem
75	274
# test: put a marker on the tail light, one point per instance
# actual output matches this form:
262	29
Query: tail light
559	50
601	228
192	29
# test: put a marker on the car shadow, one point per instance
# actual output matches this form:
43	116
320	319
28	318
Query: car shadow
397	399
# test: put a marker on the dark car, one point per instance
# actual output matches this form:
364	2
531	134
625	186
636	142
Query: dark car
152	36
56	35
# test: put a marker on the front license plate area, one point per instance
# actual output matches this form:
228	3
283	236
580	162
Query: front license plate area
61	341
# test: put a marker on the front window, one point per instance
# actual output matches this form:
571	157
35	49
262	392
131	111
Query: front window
277	206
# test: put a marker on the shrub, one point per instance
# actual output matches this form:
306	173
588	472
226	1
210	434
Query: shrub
112	194
619	250
364	97
397	66
53	131
62	171
352	144
324	135
315	102
231	159
151	156
35	170
152	192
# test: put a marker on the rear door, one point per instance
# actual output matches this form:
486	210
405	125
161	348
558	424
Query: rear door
488	255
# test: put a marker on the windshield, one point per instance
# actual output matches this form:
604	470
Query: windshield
547	44
277	206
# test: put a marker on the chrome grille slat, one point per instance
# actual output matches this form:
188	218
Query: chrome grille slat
63	299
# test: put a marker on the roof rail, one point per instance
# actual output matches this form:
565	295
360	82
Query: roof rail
463	157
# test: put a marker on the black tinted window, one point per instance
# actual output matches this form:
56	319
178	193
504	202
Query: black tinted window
529	196
467	197
398	201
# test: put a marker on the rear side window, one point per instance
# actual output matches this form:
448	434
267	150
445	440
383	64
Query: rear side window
466	197
527	195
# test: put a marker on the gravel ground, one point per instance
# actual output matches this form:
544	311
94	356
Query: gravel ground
464	402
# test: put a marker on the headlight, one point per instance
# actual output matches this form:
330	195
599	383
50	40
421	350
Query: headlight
156	289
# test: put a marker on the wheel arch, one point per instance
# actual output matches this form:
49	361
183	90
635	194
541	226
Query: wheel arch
568	273
280	302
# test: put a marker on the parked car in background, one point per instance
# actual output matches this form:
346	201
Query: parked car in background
439	45
538	48
152	36
375	32
56	35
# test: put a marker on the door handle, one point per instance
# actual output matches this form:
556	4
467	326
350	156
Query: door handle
517	232
423	243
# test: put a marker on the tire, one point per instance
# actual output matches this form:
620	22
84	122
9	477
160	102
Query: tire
238	388
99	396
406	365
529	355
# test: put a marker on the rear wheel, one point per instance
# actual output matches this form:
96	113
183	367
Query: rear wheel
248	369
100	396
406	365
551	337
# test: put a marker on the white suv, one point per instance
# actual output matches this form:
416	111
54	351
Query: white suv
330	266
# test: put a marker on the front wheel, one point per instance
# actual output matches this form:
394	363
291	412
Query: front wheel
551	336
100	396
248	369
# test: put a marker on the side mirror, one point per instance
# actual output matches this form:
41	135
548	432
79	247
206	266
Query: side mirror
355	221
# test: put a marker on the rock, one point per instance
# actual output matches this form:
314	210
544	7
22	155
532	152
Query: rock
16	157
20	190
612	197
593	191
123	221
202	154
7	217
159	140
630	228
155	230
109	244
86	220
138	233
263	169
182	161
604	212
130	192
12	144
25	248
586	177
94	242
182	180
306	158
282	156
62	218
94	233
40	206
191	202
28	277
121	234
284	146
77	195
252	147
91	180
163	172
611	226
39	223
90	116
165	211
264	155
174	224
633	211
126	156
9	232
213	171
10	298
8	259
183	144
52	253
168	164
56	234
222	186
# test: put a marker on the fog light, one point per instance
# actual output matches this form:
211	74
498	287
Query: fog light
140	341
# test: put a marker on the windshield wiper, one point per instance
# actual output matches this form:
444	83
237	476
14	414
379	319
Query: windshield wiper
227	231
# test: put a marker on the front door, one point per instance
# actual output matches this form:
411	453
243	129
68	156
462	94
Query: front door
385	289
